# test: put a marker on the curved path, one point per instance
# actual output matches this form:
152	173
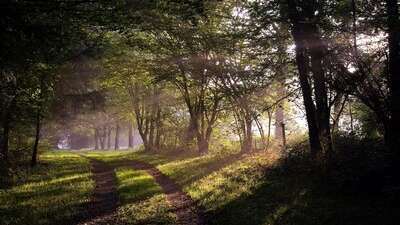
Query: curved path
185	208
104	201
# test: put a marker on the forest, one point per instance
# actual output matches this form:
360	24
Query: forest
199	112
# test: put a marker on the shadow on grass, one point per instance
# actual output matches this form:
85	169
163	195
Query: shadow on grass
135	185
284	199
142	199
188	168
52	193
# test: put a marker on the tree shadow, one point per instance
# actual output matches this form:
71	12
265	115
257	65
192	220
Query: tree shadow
187	168
54	192
284	199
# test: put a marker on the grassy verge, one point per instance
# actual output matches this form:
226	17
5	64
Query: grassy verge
52	193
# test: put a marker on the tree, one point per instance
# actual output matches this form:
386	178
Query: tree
394	75
36	34
309	51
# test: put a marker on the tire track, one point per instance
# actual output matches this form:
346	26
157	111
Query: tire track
104	201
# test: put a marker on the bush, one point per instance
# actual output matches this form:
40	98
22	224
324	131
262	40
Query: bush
358	165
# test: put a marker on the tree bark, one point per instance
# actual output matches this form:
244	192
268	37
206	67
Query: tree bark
37	138
248	134
102	138
269	129
157	141
109	138
393	139
321	97
202	144
6	131
302	62
130	135
38	120
262	134
283	138
5	138
116	143
96	139
151	129
309	45
279	119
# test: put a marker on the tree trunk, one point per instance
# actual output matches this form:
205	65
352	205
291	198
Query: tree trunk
279	119
38	120
262	134
157	141
269	129
202	144
151	133
130	135
6	132
393	139
302	62
351	118
109	138
283	149
279	114
5	138
303	32
96	139
37	137
248	135
338	107
102	138
116	143
321	98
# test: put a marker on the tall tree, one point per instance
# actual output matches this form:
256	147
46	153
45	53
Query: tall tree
394	75
310	54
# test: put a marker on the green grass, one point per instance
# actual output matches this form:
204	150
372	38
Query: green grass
52	193
154	210
107	155
135	185
230	182
143	201
251	191
232	189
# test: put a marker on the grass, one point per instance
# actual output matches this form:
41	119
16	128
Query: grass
135	185
143	201
154	210
251	190
232	189
52	193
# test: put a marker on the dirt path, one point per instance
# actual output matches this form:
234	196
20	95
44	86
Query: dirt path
104	201
185	208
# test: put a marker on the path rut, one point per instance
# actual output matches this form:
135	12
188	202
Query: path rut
104	201
184	206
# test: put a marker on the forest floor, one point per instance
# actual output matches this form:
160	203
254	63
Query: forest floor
125	187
